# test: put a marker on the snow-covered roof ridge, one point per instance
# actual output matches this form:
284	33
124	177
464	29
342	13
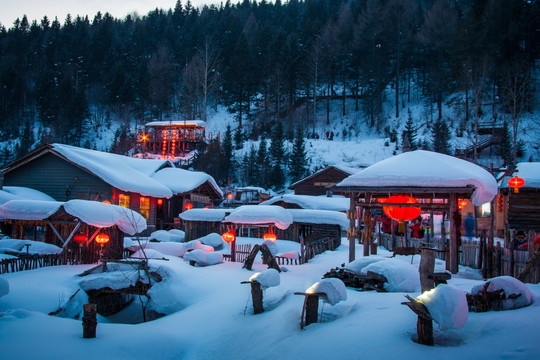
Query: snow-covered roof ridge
421	168
323	202
309	216
181	181
22	193
204	215
93	213
122	172
261	215
345	169
177	122
528	171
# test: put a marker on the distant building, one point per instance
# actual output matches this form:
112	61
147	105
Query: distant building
320	182
153	188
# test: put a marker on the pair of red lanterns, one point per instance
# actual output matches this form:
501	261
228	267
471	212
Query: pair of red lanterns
101	238
230	235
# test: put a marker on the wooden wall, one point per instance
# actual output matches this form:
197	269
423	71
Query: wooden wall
329	176
524	210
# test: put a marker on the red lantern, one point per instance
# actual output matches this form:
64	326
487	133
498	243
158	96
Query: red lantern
401	213
102	239
188	206
80	238
270	235
230	196
461	204
106	202
228	236
160	202
516	182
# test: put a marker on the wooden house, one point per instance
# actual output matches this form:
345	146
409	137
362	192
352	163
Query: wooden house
201	222
292	201
320	182
151	187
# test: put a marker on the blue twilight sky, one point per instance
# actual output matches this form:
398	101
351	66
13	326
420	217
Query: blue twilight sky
36	9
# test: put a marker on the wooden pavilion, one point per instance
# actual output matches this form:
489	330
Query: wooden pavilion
435	180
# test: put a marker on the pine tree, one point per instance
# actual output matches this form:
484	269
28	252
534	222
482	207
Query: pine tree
263	165
504	150
238	139
27	140
278	157
410	132
298	163
440	137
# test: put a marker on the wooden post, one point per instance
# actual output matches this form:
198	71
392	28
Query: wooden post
256	296
310	309
454	258
89	320
233	245
352	207
424	324
426	268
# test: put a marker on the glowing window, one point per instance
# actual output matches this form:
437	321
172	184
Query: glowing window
124	200
144	207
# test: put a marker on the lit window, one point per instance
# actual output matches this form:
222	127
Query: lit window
485	210
144	207
124	200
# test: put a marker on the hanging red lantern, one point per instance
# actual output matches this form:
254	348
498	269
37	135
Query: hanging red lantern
516	182
461	204
188	206
229	236
230	196
401	213
160	202
80	238
102	239
270	235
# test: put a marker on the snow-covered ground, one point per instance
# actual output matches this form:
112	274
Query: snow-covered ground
211	317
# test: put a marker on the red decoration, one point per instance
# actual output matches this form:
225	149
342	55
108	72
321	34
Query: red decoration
230	196
461	204
401	213
160	202
102	239
500	203
229	236
80	238
516	182
188	206
270	235
106	202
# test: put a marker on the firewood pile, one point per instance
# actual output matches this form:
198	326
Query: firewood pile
369	281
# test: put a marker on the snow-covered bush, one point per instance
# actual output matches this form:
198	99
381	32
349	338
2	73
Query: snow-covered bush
447	305
334	289
358	265
516	293
267	278
212	239
167	236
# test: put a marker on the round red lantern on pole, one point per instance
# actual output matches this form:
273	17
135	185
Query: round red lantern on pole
516	182
228	236
270	235
80	238
102	239
401	213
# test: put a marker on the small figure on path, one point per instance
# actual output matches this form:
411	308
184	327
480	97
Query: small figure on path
470	225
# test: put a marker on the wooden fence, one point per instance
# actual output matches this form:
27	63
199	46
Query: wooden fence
316	247
30	262
242	252
477	254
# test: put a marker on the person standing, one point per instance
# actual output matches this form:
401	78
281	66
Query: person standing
470	226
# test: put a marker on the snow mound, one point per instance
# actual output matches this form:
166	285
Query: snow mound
267	278
358	265
447	305
333	288
203	258
516	293
166	236
401	276
150	254
4	287
35	248
213	239
172	248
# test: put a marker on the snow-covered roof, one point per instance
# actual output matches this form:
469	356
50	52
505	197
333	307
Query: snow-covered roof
261	215
182	181
122	172
93	213
425	169
345	169
210	215
323	202
22	193
528	171
177	123
319	217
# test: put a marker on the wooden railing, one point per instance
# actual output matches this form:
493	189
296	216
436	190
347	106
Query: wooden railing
30	262
242	252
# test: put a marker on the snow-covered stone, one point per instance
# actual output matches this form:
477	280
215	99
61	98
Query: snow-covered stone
447	306
334	289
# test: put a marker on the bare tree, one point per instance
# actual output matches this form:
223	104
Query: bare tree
517	81
207	61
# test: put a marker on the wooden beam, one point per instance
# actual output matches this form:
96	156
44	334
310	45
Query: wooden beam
454	260
72	234
54	231
352	207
